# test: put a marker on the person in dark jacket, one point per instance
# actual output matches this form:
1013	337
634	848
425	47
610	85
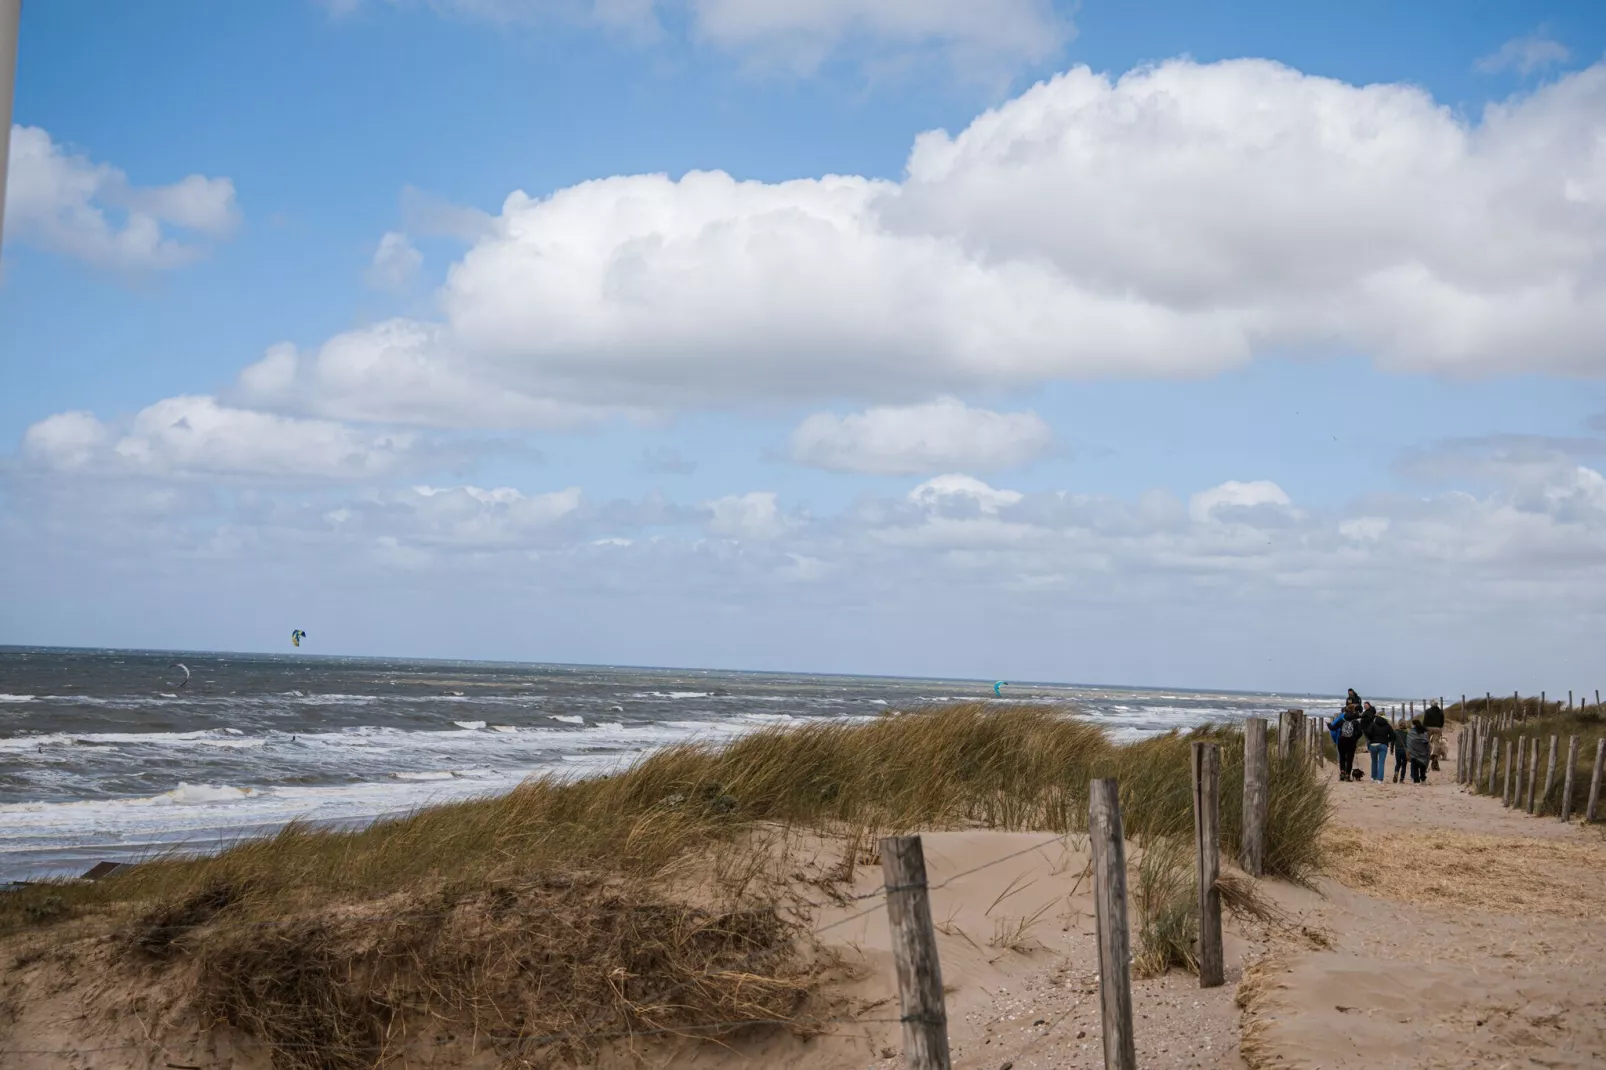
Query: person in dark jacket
1433	721
1347	735
1379	737
1402	744
1420	751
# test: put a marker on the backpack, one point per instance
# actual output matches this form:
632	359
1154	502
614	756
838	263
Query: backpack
1347	729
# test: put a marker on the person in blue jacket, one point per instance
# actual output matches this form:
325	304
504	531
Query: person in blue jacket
1346	730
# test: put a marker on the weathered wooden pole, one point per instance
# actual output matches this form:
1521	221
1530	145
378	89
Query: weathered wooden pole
1252	856
1569	699
1480	744
1285	735
1591	810
1533	773
1567	781
1550	772
914	954
1505	783
1522	760
1494	762
1207	839
1109	917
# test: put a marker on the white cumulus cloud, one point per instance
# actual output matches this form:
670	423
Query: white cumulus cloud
914	439
754	516
196	436
1175	222
1233	494
64	202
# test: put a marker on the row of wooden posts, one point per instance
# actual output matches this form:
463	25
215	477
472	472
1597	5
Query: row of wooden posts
914	941
1480	748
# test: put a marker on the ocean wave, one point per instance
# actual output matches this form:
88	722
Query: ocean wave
431	775
201	794
16	698
470	725
567	718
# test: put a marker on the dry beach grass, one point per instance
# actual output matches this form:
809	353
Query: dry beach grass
670	898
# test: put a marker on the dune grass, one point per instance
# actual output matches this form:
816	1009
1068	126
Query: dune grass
431	913
1587	723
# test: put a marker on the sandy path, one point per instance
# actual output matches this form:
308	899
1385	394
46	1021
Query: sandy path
1465	935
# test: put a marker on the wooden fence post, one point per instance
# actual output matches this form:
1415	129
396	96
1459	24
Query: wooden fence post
1480	744
1594	781
1109	915
1253	854
1494	762
1524	746
1550	772
1533	773
1567	781
1505	785
1207	839
914	954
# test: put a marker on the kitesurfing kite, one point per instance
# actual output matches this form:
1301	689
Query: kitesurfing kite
296	636
998	688
186	668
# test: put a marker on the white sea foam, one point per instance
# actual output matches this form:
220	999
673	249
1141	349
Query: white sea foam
201	794
16	698
436	775
570	718
470	725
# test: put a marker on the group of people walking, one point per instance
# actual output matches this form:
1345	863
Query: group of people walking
1417	746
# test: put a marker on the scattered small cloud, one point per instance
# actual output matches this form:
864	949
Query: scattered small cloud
396	263
798	38
62	201
916	439
666	461
428	215
185	437
1532	52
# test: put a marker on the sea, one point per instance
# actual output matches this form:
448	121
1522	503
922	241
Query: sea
114	755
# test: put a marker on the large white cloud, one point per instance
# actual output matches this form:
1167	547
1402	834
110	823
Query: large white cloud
909	440
1175	222
64	202
196	436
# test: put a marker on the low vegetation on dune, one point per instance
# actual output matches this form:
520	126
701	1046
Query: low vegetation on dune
657	898
1537	725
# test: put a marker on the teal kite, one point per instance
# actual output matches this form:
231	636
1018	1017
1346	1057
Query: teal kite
998	688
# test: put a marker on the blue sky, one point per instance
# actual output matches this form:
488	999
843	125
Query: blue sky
1234	345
